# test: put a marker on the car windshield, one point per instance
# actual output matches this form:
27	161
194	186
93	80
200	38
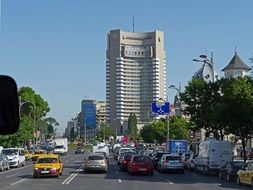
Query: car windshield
47	160
237	164
96	157
59	146
173	158
141	158
10	151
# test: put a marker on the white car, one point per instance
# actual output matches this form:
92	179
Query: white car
190	163
16	156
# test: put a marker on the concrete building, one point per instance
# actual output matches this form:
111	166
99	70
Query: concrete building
101	113
135	75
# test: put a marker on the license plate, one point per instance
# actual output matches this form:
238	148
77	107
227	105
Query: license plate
95	166
142	169
44	172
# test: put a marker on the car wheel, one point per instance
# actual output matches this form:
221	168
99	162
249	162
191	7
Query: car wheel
228	178
238	181
8	167
23	164
220	175
2	168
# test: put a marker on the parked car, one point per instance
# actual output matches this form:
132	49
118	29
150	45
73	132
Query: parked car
230	169
95	162
170	162
245	174
140	164
16	156
4	163
124	162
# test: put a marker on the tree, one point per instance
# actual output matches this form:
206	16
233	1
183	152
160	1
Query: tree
237	108
51	123
204	106
179	128
132	127
105	133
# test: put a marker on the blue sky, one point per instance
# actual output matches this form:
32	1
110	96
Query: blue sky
58	46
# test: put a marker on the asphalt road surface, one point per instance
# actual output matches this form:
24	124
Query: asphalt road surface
73	178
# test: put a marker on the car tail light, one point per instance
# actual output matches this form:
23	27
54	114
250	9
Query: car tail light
166	161
124	161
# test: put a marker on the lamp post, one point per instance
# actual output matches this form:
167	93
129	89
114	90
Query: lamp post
210	63
178	104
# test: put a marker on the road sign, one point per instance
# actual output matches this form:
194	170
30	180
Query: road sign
159	108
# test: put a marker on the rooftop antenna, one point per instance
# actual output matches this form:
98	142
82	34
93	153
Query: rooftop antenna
133	24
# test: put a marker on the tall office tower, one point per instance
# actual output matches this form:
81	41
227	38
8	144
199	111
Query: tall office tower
135	74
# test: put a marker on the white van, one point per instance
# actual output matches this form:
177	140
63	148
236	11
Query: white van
101	147
16	156
212	154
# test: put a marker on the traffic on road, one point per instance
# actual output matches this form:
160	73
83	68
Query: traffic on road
97	170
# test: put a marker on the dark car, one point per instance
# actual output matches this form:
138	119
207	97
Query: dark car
79	150
140	164
124	162
250	154
230	169
157	156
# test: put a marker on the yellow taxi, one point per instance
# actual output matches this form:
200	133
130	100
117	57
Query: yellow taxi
27	155
245	175
48	165
38	153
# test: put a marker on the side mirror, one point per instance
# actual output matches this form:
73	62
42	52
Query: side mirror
9	106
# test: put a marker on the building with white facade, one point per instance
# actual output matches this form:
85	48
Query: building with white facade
135	74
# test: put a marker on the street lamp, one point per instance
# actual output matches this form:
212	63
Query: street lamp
205	60
178	103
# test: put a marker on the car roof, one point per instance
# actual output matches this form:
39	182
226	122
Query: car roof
49	156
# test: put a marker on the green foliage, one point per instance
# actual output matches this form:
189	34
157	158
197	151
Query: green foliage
179	128
132	127
105	132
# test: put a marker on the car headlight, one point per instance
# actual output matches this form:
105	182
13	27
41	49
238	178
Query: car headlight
53	169
36	168
15	158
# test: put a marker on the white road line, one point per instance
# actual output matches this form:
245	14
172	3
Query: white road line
11	170
71	177
8	176
19	181
119	180
169	182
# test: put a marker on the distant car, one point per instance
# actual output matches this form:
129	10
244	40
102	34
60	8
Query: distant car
140	164
184	157
230	169
190	163
170	162
79	150
120	157
4	163
49	149
124	162
105	155
245	174
156	156
250	154
95	162
37	154
48	165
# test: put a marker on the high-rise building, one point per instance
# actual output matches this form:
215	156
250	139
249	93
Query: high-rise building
135	74
100	107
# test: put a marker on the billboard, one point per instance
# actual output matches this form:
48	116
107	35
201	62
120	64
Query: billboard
89	114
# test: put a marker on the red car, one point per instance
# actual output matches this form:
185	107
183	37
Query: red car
124	162
140	164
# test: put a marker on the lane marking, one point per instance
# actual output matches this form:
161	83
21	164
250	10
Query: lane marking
119	180
8	176
169	182
71	177
11	170
19	181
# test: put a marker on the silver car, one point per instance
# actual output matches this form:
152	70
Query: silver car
170	162
96	162
4	163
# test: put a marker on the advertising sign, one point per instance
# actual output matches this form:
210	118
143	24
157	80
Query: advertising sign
89	114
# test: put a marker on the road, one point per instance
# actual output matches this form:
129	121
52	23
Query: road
74	178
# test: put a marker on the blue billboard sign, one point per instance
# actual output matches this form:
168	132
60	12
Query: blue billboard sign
160	109
89	114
